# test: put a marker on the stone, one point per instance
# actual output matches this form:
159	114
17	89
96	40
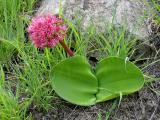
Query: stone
134	14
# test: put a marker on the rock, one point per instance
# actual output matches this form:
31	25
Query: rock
132	13
49	7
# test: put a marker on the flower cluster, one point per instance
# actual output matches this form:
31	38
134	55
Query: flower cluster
46	31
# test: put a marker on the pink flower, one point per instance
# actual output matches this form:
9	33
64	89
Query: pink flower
46	31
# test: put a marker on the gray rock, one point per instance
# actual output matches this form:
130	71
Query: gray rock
134	14
49	7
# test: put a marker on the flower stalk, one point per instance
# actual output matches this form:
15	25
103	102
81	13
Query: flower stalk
67	49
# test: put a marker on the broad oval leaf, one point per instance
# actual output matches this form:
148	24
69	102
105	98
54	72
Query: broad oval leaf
117	76
74	81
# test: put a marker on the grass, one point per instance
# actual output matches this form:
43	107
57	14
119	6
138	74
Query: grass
155	5
27	69
12	23
9	107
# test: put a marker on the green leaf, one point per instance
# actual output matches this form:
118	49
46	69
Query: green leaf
6	51
2	77
116	76
74	81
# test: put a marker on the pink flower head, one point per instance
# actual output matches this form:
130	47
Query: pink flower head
46	31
